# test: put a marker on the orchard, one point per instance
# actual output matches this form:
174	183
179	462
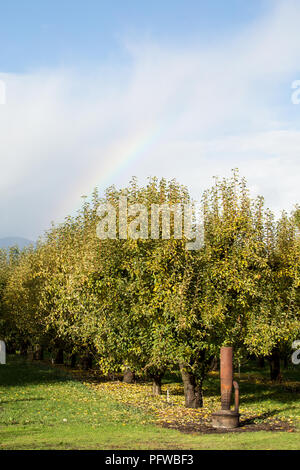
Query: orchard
147	307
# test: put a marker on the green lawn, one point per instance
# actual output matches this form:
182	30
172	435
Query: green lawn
42	407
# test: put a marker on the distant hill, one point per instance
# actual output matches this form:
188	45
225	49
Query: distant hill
12	241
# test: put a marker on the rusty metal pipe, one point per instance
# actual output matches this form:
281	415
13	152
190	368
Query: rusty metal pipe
226	418
236	396
226	373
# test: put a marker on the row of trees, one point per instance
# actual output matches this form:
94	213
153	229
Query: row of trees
148	306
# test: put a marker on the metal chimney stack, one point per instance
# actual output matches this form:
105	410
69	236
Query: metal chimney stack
227	418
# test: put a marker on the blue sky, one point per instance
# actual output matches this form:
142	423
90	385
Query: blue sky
35	33
99	91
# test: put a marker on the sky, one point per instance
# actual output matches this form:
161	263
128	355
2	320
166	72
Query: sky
98	91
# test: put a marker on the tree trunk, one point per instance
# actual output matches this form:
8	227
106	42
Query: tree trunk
59	357
261	362
86	362
128	376
73	360
275	365
30	354
24	349
38	354
156	384
192	388
214	365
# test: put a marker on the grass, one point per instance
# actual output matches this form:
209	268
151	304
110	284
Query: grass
42	407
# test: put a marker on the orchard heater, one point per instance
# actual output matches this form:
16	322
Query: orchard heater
225	417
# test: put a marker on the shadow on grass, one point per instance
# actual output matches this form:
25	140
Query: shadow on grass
19	372
268	414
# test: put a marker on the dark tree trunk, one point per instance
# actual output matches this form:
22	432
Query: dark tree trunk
214	365
192	388
275	365
156	386
156	383
30	354
59	357
261	362
86	362
24	349
73	360
38	354
128	376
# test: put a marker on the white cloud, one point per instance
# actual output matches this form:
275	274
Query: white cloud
189	113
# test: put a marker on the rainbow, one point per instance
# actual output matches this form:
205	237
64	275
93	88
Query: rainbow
105	171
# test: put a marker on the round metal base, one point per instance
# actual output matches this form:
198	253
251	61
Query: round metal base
225	419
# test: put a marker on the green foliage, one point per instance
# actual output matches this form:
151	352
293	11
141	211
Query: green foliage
151	305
